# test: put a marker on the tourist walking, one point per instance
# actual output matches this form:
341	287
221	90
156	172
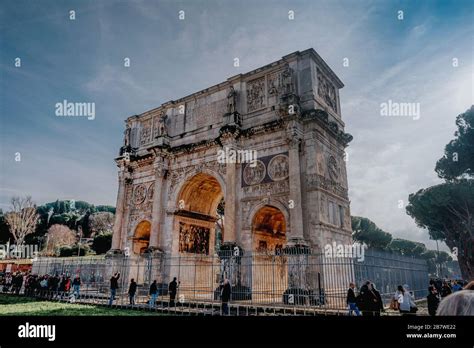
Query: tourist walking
368	300
433	300
113	287
173	289
405	299
225	296
132	289
351	300
153	294
378	304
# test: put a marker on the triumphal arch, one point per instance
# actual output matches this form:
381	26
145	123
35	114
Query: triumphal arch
251	166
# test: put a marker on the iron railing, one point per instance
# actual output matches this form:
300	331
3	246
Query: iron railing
262	279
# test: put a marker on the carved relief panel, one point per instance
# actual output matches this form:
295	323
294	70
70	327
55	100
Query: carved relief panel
327	91
140	198
193	238
145	134
256	94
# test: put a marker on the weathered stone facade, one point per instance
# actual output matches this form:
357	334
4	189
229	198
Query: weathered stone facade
169	175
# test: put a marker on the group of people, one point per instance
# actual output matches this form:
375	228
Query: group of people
12	282
441	289
32	284
368	301
173	286
445	297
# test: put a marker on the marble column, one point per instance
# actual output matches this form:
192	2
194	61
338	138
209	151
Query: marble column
157	210
119	209
296	213
230	197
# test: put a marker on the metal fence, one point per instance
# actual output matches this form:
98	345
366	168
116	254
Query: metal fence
388	270
262	279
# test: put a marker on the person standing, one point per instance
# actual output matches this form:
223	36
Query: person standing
225	296
366	299
173	289
67	286
378	304
62	286
76	285
405	300
132	289
433	300
445	289
351	300
153	294
113	287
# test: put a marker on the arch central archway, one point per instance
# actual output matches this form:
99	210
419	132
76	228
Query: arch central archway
268	229
197	216
141	237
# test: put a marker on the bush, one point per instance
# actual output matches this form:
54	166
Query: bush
102	243
68	251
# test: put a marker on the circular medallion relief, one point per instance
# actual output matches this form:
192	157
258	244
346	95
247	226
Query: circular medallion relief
254	174
278	168
139	194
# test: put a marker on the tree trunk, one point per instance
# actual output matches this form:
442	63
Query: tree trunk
466	264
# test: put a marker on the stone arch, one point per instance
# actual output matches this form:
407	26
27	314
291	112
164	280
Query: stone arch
173	198
269	229
195	216
141	237
272	202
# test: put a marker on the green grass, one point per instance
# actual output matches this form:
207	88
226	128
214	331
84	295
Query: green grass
15	305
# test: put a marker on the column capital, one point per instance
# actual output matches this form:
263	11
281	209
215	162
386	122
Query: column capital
159	165
294	133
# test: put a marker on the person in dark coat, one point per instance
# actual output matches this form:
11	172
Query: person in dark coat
445	290
54	285
433	300
351	300
132	290
62	285
153	294
173	289
378	305
369	300
113	287
225	296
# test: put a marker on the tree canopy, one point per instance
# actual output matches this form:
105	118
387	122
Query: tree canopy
447	212
458	159
367	232
407	247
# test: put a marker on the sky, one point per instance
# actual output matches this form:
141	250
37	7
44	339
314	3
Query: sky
409	60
